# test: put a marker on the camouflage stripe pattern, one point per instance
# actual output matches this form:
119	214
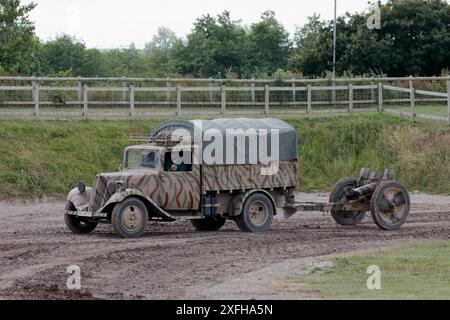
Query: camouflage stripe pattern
177	190
244	177
182	190
170	190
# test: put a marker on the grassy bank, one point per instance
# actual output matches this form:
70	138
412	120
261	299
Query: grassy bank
47	157
419	271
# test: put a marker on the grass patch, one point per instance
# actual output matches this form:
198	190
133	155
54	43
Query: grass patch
436	110
418	271
334	147
47	157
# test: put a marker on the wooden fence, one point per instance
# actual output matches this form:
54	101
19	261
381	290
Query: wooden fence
275	97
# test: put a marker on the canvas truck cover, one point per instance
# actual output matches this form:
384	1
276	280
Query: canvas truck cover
287	135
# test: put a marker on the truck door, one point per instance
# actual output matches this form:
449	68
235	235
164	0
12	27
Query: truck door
180	185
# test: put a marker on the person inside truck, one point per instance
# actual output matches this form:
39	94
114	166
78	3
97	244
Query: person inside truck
170	166
149	161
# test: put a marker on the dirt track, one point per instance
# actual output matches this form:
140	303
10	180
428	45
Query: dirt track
174	261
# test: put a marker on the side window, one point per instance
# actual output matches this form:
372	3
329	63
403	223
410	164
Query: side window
168	164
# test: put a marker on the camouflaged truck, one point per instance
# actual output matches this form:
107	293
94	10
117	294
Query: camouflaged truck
152	186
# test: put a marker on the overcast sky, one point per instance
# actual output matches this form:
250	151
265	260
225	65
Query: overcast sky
116	23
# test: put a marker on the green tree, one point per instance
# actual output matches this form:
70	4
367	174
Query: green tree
213	48
313	53
160	53
268	46
17	40
414	39
66	53
416	35
124	62
164	40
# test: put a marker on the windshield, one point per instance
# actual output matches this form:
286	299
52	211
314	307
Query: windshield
136	159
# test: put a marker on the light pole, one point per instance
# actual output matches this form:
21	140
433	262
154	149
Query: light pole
333	92
334	39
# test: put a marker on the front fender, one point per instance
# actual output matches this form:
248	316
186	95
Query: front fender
80	200
121	196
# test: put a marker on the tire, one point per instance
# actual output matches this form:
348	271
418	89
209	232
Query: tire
76	224
257	214
129	218
390	205
341	217
209	224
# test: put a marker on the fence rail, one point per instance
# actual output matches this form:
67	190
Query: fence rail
183	96
212	80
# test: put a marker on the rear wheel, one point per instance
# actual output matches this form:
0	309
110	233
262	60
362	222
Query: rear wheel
345	218
209	224
78	225
257	214
129	218
390	205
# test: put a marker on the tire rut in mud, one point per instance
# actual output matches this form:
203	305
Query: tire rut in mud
36	248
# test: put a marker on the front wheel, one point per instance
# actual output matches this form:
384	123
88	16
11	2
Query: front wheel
78	225
209	224
129	218
257	214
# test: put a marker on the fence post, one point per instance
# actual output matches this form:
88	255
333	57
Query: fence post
267	100
309	107
372	91
448	100
293	92
413	99
132	101
178	112
79	92
210	84
253	91
380	97
124	93
333	94
350	98
168	86
36	98
85	100
223	100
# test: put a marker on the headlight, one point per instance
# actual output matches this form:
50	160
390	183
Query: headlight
81	186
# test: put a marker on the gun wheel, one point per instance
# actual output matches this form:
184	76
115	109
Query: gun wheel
390	205
345	218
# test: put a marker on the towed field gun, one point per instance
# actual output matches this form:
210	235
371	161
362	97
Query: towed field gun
351	199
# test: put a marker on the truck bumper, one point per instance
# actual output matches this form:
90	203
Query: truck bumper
87	214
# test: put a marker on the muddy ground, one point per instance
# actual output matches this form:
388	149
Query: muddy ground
174	261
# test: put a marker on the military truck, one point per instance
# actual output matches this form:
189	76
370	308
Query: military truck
237	180
150	186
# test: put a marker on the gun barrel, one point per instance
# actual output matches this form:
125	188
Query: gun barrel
362	191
